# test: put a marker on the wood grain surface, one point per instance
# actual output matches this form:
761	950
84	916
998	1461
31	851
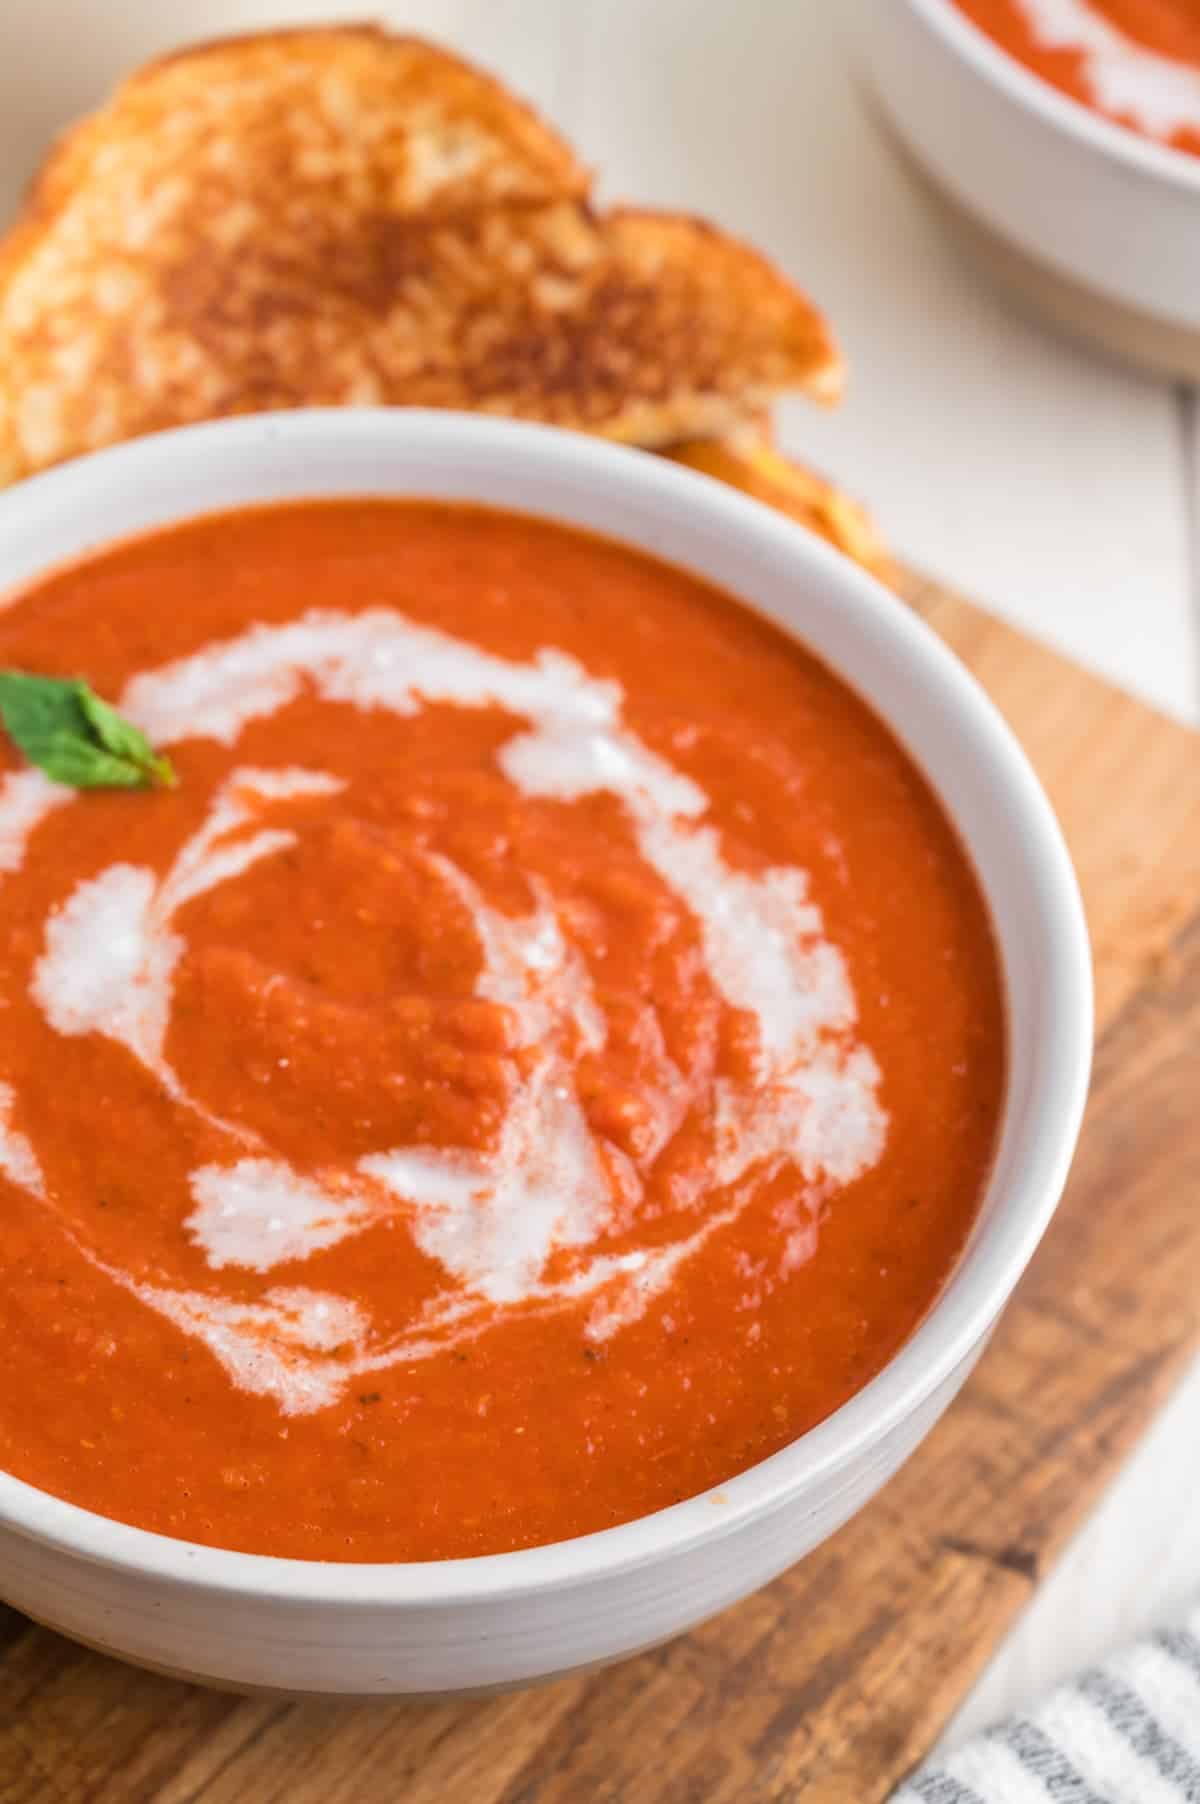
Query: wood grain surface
831	1684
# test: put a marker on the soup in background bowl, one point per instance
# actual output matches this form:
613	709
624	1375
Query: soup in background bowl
517	1144
1136	62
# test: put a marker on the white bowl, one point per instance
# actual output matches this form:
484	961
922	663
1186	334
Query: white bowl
245	1620
1094	225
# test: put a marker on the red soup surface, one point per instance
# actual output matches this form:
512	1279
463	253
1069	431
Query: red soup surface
544	1056
1135	61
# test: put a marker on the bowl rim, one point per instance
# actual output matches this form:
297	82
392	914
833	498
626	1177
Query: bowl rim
1116	143
961	1317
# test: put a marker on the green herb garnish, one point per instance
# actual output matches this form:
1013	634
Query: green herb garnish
66	730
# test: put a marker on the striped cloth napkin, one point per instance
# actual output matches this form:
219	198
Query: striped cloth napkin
1125	1732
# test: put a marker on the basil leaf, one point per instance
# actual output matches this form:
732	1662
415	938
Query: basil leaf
64	728
125	741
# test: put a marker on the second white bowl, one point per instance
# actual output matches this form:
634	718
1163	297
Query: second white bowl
1092	225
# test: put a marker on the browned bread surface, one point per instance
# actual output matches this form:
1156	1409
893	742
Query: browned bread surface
340	216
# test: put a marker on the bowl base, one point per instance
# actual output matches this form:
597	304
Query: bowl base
280	1694
1126	334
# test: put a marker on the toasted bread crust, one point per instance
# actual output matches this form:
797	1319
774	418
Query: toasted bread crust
739	309
748	459
342	216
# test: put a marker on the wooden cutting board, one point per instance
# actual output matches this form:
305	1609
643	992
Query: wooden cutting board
832	1683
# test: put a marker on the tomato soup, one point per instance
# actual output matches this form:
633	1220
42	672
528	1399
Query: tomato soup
543	1057
1136	61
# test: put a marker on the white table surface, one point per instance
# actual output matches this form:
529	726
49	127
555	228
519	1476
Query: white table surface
1062	492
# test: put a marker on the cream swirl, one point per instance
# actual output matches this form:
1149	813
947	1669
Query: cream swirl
523	1223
